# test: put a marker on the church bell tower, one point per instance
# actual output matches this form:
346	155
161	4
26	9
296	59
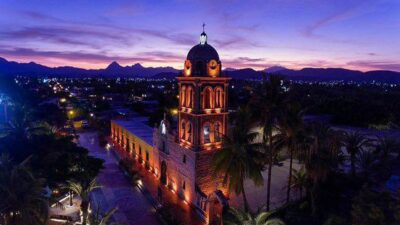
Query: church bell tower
203	95
203	109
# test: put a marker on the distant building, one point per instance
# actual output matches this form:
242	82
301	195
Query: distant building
181	159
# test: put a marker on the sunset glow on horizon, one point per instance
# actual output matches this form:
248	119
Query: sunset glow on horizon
356	34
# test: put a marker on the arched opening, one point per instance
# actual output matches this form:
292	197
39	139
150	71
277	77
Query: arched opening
183	129
188	134
163	177
183	96
207	98
217	132
219	97
189	97
216	204
206	133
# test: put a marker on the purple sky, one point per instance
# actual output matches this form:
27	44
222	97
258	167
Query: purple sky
355	34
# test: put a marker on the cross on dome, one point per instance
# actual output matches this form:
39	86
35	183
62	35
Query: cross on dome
203	36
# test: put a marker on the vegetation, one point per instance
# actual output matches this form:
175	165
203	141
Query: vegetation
235	216
267	104
238	160
328	193
97	219
21	193
83	190
38	157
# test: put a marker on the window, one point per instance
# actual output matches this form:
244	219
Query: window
140	151
189	97
217	132
207	98
189	131
147	156
184	185
219	97
128	145
183	96
206	133
184	159
183	129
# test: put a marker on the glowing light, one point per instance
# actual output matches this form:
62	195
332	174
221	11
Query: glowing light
71	112
62	100
174	111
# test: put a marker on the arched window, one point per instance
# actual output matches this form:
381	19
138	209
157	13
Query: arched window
219	97
217	131
206	133
183	96
207	98
183	129
188	135
189	97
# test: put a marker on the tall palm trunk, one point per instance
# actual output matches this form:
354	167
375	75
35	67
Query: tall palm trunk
70	198
85	209
269	169
290	174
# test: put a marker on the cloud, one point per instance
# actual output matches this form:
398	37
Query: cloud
71	35
376	65
247	62
124	35
86	57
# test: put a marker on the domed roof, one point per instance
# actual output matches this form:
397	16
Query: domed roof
202	60
202	52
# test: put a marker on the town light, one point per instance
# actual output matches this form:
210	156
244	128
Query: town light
174	111
71	112
62	100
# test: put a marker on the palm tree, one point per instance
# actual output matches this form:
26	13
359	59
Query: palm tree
385	146
238	160
22	196
23	126
300	180
97	219
320	160
237	217
267	104
366	160
84	190
354	143
289	135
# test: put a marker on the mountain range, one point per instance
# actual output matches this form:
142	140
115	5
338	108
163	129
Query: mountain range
10	68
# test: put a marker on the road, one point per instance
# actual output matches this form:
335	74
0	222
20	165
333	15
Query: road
133	207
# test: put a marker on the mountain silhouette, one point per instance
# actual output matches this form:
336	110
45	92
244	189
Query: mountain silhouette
10	68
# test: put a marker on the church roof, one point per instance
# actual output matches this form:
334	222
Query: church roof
138	127
202	52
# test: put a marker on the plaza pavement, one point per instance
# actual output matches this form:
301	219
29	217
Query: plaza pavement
133	207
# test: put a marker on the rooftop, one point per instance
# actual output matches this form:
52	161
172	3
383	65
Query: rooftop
138	127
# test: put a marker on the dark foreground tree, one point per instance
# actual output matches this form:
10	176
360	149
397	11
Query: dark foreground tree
238	160
22	195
